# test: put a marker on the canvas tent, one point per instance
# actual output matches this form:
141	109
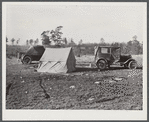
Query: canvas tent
57	60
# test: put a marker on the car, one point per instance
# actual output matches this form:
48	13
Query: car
34	53
105	56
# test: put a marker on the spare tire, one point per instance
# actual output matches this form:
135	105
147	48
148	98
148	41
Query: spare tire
27	60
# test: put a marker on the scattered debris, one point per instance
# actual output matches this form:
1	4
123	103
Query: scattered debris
118	78
21	77
97	82
112	81
86	74
31	67
91	99
22	81
26	92
72	87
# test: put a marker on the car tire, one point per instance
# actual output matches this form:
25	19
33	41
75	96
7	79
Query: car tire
27	60
101	64
132	65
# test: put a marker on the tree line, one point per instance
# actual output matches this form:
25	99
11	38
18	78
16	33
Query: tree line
28	42
55	36
131	47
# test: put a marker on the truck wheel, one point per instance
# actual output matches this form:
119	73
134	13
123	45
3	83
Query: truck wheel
101	64
132	65
26	60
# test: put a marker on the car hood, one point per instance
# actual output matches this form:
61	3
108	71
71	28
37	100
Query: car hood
125	57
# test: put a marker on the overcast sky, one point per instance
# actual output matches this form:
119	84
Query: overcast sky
90	22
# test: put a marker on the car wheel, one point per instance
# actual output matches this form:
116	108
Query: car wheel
27	60
132	65
101	64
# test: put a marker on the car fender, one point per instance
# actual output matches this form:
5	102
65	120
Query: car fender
101	59
129	60
25	56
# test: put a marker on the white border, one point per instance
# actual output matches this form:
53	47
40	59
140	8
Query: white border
74	114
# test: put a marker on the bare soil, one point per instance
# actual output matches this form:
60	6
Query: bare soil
86	88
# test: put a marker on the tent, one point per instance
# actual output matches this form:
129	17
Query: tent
57	60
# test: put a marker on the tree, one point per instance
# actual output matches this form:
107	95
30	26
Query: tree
102	42
129	45
115	44
56	35
36	42
27	42
45	38
123	48
12	40
71	43
53	35
31	41
17	42
134	46
134	37
79	48
141	48
80	42
65	41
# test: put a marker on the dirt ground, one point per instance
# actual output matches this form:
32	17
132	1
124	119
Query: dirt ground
86	88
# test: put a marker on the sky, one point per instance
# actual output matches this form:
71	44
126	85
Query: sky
115	22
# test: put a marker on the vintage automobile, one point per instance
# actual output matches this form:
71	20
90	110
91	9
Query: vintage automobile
34	53
108	55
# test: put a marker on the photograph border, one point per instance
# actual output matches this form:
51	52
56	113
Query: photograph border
44	115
